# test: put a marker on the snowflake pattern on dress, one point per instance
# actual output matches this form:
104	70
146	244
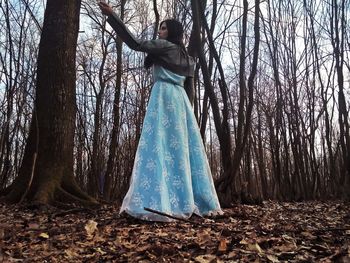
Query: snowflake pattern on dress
146	183
137	200
174	143
188	206
174	200
171	107
156	149
159	188
171	172
177	182
151	165
154	203
166	121
169	158
148	128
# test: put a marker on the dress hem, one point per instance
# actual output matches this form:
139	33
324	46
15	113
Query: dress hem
149	216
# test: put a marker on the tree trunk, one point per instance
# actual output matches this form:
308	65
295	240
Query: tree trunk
46	173
230	181
114	147
221	124
337	32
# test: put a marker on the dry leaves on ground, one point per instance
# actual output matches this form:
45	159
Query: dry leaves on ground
272	232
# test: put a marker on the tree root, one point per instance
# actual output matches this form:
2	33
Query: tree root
30	179
16	194
70	186
104	202
63	195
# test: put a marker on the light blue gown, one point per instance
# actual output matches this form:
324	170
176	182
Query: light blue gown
171	173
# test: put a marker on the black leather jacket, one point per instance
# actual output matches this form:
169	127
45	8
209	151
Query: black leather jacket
164	53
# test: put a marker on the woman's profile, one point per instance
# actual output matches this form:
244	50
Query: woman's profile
171	173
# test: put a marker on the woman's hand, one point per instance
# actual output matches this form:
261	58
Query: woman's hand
105	8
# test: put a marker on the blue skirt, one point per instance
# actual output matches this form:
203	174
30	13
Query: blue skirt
171	173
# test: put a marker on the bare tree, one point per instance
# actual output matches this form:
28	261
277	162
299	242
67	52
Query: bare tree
114	146
17	60
229	187
337	25
46	173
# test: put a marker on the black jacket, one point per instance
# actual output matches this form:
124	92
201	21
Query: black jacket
164	53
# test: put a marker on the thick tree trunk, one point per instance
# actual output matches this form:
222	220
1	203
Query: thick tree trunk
46	173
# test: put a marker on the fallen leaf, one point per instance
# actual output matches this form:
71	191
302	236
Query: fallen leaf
44	235
162	234
232	220
99	250
203	238
70	253
308	235
151	256
272	258
244	242
232	254
287	247
90	227
287	255
205	258
222	245
128	245
33	226
285	232
255	247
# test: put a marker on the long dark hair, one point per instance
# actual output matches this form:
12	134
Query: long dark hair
175	35
175	31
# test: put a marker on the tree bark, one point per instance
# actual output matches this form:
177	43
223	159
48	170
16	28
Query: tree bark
46	173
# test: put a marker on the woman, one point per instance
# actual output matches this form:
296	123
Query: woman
171	172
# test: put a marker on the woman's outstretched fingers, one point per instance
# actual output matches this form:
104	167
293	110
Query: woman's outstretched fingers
105	8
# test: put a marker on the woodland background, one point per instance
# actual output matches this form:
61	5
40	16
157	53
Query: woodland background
272	95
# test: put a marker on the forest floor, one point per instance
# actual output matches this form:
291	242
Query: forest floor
272	232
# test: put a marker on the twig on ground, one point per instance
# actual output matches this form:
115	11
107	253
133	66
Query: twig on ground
171	216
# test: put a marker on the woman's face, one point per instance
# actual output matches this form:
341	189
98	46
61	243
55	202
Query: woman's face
163	31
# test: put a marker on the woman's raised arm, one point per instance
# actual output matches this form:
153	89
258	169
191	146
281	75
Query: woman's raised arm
149	46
